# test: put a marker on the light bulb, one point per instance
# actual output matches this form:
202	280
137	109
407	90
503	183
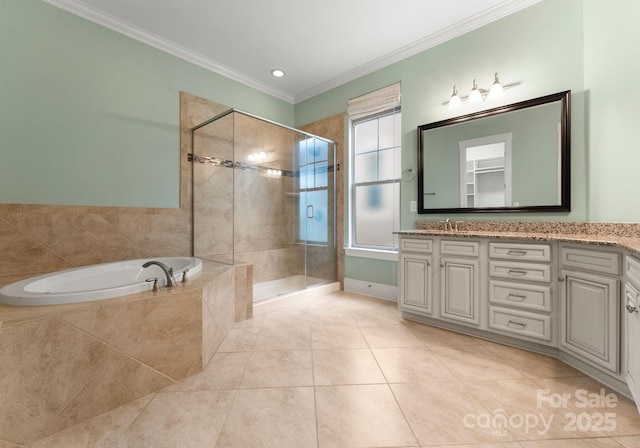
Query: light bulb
455	101
475	97
262	155
496	90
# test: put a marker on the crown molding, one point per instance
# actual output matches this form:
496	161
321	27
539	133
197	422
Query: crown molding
164	45
505	8
449	33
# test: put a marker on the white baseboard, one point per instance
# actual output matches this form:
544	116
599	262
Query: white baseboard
378	290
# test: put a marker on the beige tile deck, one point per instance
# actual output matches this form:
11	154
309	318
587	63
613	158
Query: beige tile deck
344	370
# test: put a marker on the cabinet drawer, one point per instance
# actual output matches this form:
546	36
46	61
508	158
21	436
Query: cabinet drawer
517	251
521	295
520	271
416	245
466	248
591	260
520	322
632	269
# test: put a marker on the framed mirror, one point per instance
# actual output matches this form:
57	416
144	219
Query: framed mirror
514	158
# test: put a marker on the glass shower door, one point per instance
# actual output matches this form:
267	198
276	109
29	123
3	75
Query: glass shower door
316	210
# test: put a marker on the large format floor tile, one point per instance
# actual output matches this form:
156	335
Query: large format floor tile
271	418
187	419
344	370
345	366
356	415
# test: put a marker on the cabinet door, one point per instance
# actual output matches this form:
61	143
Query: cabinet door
459	290
632	343
590	318
415	283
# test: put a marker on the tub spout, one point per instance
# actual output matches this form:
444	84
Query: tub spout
171	282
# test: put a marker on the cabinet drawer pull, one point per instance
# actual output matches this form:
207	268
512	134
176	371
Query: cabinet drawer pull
519	325
516	272
516	297
517	252
632	309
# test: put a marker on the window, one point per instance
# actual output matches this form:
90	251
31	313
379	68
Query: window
375	181
313	207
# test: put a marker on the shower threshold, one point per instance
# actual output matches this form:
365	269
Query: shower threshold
275	294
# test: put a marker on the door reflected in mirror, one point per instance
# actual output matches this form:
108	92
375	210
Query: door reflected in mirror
485	171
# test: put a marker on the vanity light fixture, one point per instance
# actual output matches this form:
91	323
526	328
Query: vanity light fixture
475	97
277	73
496	91
455	101
477	94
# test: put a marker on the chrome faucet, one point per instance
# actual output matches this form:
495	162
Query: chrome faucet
171	282
447	224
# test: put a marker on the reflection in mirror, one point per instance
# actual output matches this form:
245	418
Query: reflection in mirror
485	171
513	158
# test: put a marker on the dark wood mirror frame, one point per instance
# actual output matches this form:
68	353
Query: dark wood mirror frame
565	150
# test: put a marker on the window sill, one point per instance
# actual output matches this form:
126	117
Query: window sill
374	254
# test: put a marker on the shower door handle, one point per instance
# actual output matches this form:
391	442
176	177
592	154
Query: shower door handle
310	211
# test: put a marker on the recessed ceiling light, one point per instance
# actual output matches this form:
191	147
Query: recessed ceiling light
277	73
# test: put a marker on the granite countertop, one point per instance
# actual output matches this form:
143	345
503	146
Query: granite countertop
624	236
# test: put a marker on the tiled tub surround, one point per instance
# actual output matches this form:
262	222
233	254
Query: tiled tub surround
63	364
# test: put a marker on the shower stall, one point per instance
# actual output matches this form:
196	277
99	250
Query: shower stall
264	194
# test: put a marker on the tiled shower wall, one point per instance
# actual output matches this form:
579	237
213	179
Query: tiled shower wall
263	230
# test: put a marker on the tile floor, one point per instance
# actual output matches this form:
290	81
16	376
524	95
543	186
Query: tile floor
346	371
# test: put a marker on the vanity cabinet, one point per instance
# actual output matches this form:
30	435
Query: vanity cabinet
520	290
554	297
416	273
590	304
632	320
459	270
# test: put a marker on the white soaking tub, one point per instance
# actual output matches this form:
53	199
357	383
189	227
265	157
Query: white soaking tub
95	282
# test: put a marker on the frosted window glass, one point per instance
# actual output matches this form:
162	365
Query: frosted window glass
366	136
366	167
389	164
321	174
314	217
376	162
376	214
303	178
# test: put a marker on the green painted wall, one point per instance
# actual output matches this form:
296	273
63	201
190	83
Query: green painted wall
375	271
91	117
612	66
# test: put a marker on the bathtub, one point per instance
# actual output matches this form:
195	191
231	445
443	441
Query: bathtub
95	282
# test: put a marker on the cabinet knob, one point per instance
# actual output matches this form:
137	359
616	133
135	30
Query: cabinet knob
632	309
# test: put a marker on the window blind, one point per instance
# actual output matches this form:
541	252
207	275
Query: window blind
374	102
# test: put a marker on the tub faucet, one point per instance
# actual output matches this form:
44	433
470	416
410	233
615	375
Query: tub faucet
171	282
